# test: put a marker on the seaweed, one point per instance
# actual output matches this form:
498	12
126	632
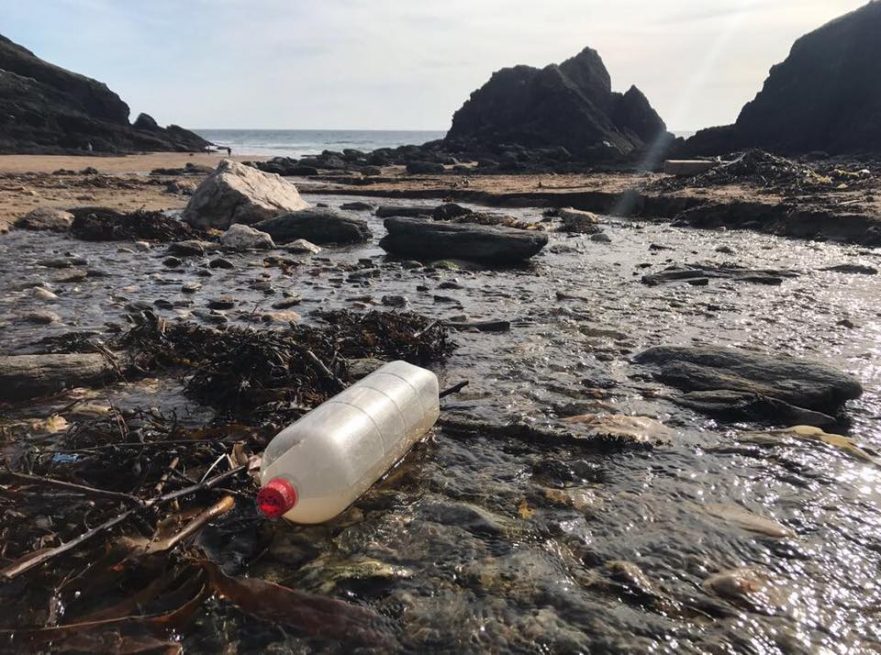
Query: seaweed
103	224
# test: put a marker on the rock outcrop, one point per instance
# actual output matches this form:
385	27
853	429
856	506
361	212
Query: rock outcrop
431	240
47	109
825	96
235	193
570	105
800	383
320	225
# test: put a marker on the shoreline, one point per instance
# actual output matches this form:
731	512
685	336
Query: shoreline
124	183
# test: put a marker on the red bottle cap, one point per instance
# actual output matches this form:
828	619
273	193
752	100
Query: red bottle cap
276	498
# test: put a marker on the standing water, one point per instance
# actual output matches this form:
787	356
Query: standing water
512	537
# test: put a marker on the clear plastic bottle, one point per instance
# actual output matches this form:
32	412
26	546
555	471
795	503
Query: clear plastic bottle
315	468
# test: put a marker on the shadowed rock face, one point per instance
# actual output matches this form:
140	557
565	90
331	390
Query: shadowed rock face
826	96
45	108
570	105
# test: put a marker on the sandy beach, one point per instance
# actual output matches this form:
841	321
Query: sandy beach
123	182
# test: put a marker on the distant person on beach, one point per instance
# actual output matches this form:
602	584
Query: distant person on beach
228	151
89	146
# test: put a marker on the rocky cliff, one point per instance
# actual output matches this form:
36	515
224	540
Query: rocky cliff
45	108
570	105
826	96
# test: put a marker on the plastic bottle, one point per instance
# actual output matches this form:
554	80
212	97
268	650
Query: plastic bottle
315	468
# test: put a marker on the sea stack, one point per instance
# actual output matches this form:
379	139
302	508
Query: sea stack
570	105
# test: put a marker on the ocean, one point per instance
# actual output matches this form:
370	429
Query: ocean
297	143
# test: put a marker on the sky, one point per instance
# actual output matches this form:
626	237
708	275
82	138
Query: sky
404	64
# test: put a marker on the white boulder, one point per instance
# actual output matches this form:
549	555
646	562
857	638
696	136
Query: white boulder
242	237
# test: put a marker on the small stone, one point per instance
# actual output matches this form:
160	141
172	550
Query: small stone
190	248
221	263
224	302
161	303
41	317
287	302
172	262
302	247
394	301
601	237
44	294
191	287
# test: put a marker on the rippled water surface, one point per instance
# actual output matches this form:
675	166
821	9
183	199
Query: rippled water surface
493	542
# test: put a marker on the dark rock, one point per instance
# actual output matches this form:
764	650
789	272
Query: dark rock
358	206
424	168
570	105
46	109
387	211
699	275
320	226
103	224
852	269
449	211
146	122
172	262
45	218
220	263
799	382
824	97
224	302
726	405
285	166
430	240
190	248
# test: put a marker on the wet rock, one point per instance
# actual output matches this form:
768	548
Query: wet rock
190	248
162	303
41	317
746	520
576	221
394	301
727	405
799	382
224	302
242	237
235	193
220	262
190	287
280	317
63	262
287	302
634	429
387	211
319	226
410	237
813	433
172	262
358	206
601	237
469	517
450	211
45	219
702	274
44	294
31	376
749	586
302	247
852	269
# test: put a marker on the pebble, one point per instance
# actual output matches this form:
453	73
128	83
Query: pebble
601	237
44	294
172	262
220	262
224	302
41	317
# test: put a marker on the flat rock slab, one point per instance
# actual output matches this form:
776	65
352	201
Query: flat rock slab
31	376
692	274
431	240
318	226
799	382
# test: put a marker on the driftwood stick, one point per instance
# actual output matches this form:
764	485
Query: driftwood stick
72	486
418	334
312	357
456	388
42	556
224	505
